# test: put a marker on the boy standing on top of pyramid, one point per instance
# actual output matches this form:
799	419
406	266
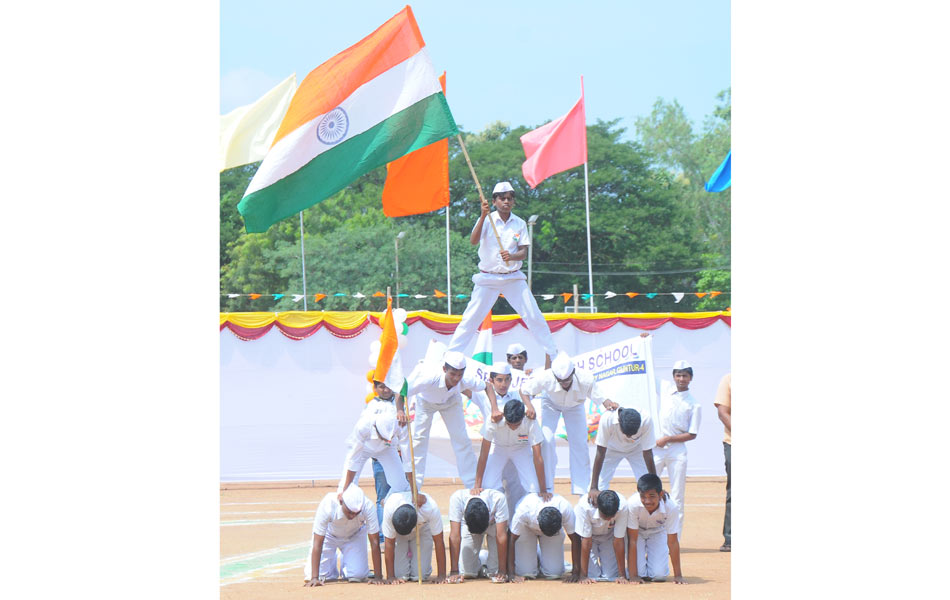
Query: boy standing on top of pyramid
500	272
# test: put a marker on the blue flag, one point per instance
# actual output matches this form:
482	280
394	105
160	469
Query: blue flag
722	178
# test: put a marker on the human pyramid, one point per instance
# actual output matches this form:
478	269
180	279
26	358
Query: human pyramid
508	503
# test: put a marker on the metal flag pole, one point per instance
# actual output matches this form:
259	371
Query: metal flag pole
481	195
448	262
590	266
303	266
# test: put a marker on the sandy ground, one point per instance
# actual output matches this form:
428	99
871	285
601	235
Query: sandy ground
266	529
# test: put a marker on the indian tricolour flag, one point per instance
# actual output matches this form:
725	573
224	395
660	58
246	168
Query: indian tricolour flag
389	365
483	342
372	103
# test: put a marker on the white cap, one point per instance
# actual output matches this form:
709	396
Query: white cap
502	186
353	498
501	368
562	365
455	359
516	348
386	424
681	364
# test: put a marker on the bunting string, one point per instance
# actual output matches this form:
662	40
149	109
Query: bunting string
564	297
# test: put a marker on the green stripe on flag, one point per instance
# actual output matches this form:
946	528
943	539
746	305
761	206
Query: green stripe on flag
483	357
423	123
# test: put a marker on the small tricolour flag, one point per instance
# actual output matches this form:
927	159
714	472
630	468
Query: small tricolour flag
372	103
483	342
389	366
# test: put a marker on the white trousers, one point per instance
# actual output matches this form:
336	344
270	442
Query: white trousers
485	293
514	489
405	562
575	423
392	466
603	560
675	465
454	420
653	555
471	555
353	551
533	549
502	460
612	458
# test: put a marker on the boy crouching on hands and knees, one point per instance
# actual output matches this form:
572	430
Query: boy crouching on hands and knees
341	526
400	518
653	525
474	517
602	527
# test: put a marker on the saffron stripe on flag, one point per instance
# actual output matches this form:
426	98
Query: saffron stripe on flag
330	172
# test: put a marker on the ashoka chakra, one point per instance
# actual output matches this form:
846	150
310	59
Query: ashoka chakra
333	127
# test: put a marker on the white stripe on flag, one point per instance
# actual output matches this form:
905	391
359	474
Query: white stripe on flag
397	89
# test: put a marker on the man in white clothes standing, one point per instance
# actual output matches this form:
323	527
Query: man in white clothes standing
679	423
563	391
438	389
500	272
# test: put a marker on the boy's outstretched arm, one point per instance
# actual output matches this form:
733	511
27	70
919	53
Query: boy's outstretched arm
631	555
377	559
455	544
595	475
480	469
439	547
539	472
672	540
315	561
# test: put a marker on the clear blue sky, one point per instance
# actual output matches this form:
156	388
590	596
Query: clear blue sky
513	61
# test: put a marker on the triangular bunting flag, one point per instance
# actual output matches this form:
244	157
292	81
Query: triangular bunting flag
278	296
233	295
714	294
678	295
700	294
609	295
255	296
420	296
461	296
632	294
651	295
359	295
566	296
319	297
298	297
379	295
585	297
547	296
340	294
439	294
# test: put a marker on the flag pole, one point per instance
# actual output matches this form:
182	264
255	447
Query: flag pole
303	267
481	195
590	266
448	262
412	483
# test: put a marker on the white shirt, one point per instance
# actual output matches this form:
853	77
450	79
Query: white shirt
497	506
428	383
666	518
428	514
526	514
330	519
679	413
364	438
589	522
527	434
611	437
583	387
512	394
513	233
376	406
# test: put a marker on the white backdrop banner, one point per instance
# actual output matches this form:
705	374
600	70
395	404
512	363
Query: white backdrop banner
287	406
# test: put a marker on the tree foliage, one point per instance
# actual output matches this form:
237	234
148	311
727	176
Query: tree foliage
653	226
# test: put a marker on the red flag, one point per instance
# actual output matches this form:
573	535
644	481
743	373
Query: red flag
558	146
418	182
